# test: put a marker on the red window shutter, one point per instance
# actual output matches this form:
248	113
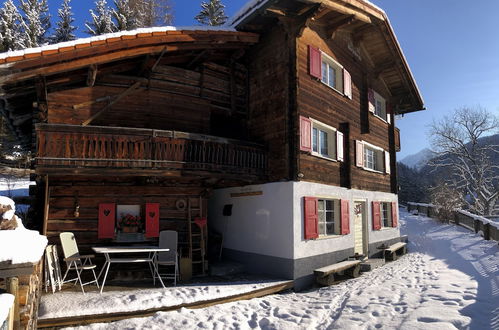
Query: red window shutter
371	100
107	219
376	216
311	217
347	84
305	134
152	219
345	217
394	215
359	153
315	62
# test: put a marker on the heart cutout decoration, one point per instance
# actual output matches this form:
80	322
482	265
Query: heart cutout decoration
152	214
201	222
106	212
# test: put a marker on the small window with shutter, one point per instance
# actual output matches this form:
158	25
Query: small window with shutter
384	215
332	216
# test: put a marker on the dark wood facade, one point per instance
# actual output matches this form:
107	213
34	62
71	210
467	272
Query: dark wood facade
168	116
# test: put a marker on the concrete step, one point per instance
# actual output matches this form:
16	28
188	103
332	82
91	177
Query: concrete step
370	264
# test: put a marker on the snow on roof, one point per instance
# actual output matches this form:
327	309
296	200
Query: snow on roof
103	37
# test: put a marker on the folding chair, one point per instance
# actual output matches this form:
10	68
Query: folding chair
75	261
167	240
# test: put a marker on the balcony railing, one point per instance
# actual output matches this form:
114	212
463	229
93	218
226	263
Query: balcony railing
114	147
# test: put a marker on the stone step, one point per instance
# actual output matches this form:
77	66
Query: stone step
370	264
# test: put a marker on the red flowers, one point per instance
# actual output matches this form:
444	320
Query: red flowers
128	220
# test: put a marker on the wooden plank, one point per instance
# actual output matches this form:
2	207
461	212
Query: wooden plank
112	317
336	267
396	246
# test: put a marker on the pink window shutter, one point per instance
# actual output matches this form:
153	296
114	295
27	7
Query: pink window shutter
315	62
152	219
394	214
339	146
305	134
107	219
376	216
345	217
311	218
347	84
359	153
387	162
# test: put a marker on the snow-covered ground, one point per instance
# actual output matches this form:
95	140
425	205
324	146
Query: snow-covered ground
449	280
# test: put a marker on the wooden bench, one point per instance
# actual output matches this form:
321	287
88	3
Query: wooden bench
325	275
395	250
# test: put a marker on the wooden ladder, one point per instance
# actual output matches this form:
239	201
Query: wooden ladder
198	237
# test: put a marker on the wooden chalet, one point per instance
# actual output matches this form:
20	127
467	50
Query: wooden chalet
279	130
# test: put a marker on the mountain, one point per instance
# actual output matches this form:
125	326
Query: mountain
418	160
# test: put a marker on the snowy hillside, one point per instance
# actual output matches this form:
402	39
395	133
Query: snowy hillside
418	160
449	280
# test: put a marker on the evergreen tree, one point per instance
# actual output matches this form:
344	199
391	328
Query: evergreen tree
212	13
64	30
10	27
101	19
36	22
126	17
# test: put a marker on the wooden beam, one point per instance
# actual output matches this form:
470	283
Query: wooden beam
336	25
119	97
98	100
342	9
276	12
92	75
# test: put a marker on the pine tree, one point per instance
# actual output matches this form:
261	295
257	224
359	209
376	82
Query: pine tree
101	19
212	13
151	12
64	30
36	22
125	16
10	27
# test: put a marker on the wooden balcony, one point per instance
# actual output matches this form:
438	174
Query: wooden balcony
95	150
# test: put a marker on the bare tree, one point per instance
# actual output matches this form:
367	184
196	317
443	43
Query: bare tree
457	141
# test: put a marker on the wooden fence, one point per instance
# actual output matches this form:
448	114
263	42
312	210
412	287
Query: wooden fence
488	228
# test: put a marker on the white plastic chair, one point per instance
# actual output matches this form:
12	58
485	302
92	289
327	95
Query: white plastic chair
168	239
75	261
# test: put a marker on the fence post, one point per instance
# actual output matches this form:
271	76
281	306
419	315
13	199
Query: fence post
456	217
13	289
476	226
486	231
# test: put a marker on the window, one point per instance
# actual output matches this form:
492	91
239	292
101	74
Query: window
386	214
380	106
328	217
373	158
332	73
323	140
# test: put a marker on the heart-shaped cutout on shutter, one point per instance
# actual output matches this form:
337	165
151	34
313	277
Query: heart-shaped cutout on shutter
106	212
152	214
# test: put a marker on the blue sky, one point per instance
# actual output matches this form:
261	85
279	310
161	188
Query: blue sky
452	47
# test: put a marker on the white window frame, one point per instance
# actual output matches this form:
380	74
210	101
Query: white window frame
380	110
379	165
385	211
331	63
331	140
336	215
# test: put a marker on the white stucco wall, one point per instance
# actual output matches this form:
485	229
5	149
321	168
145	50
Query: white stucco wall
272	223
306	248
261	224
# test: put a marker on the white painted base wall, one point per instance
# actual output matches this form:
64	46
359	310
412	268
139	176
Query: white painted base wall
272	224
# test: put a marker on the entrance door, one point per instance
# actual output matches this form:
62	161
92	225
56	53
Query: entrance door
359	214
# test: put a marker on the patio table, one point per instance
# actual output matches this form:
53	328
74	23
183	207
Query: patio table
116	250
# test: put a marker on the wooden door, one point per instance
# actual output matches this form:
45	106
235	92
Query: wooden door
359	239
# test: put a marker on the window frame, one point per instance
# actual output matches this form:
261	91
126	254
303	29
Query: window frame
381	113
339	79
336	216
379	165
331	144
385	213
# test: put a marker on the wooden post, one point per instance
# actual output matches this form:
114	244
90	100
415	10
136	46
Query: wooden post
486	231
12	285
476	226
456	218
46	205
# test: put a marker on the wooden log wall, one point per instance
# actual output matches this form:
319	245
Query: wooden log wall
170	98
89	192
320	102
269	99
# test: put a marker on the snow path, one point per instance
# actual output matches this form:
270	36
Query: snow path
449	280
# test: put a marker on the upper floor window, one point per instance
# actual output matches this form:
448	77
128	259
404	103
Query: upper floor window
378	105
323	140
332	73
371	157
